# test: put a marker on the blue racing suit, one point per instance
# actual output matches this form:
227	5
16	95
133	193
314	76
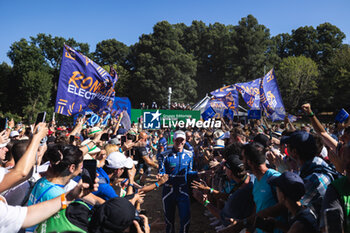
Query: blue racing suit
175	192
162	146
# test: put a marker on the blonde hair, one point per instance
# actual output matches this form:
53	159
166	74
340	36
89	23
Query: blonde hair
111	148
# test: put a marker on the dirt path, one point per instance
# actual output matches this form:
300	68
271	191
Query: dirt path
154	210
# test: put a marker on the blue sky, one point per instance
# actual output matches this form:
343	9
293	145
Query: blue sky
93	21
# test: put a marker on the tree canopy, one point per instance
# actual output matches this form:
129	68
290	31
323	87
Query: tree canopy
312	64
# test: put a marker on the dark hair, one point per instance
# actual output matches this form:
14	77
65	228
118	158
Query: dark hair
254	152
319	143
28	132
239	171
61	137
9	155
18	149
233	149
62	156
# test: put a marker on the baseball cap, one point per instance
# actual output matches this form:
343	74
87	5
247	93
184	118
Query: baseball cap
118	160
300	139
115	215
116	140
233	162
94	130
262	139
291	185
219	139
14	134
179	134
122	131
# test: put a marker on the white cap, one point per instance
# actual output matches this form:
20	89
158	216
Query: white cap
14	134
179	134
219	136
119	160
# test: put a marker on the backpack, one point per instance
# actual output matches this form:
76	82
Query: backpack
74	218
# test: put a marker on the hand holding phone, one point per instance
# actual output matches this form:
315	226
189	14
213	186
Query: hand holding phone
40	118
89	172
3	123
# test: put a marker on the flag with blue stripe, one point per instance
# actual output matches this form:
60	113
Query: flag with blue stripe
270	98
208	113
82	85
250	92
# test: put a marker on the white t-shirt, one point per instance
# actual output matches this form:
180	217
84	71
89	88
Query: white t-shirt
3	171
11	218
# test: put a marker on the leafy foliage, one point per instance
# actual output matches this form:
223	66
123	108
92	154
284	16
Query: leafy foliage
312	64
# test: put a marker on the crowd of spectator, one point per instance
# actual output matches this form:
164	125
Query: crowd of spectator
259	177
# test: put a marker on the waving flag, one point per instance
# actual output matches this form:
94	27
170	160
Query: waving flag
218	106
208	113
270	98
83	84
250	92
228	95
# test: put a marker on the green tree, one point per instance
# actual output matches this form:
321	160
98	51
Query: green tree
122	86
35	92
252	40
52	49
339	86
5	77
109	52
212	47
330	39
159	61
297	79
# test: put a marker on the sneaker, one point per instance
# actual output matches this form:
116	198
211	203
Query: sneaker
219	228
207	213
215	223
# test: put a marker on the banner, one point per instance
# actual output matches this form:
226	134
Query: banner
342	116
207	114
250	93
228	95
254	114
83	85
292	118
270	98
120	104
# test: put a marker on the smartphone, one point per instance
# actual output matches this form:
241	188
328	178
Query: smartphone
332	220
104	137
89	172
40	118
122	140
3	123
71	139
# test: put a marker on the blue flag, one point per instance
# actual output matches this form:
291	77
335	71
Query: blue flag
218	106
229	114
270	98
83	84
209	113
228	95
254	114
292	118
250	92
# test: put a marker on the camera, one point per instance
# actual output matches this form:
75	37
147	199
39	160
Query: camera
140	222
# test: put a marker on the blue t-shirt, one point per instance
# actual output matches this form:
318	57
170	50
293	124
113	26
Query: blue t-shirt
105	190
262	191
264	194
44	190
